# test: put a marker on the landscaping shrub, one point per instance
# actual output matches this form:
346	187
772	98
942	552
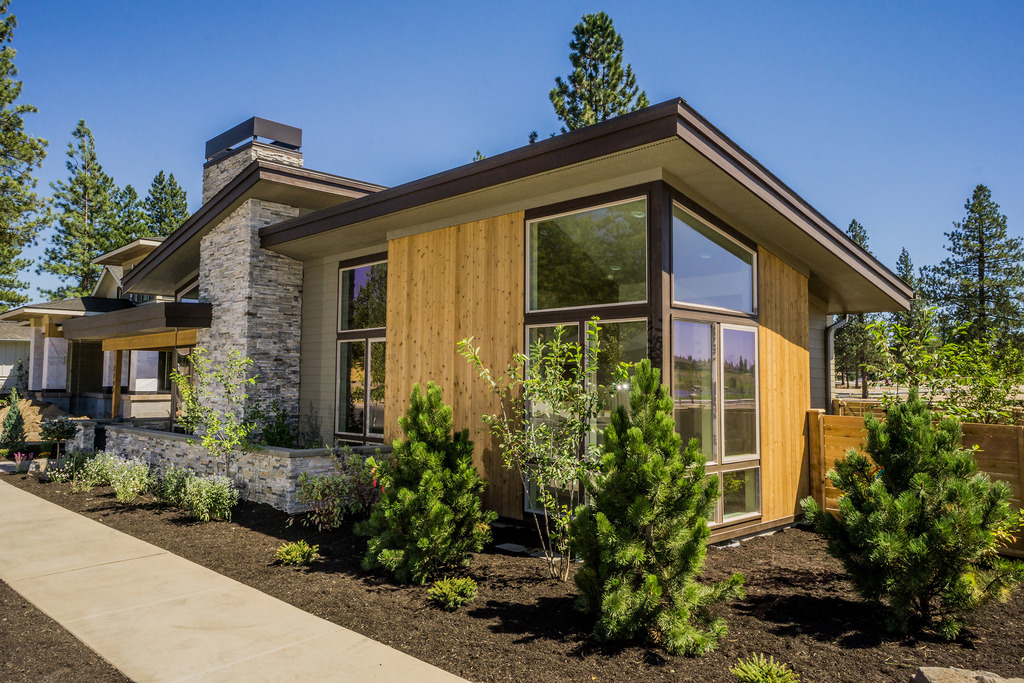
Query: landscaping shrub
69	465
919	527
129	478
761	669
275	427
331	496
429	517
210	497
169	488
12	431
298	553
95	471
451	594
643	532
21	461
58	430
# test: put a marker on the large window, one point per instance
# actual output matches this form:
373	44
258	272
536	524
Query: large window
709	268
596	257
714	390
362	310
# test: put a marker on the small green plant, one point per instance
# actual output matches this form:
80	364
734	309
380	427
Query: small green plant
69	465
274	426
129	478
352	490
94	472
169	488
298	553
12	431
761	669
430	516
208	498
58	430
451	594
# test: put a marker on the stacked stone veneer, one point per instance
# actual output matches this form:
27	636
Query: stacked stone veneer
269	475
221	171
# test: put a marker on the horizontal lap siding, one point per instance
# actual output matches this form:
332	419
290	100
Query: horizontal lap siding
443	286
784	386
318	345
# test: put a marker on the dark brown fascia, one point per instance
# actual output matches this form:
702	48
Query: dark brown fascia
140	320
673	118
255	172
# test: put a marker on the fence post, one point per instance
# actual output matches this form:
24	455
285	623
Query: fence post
815	449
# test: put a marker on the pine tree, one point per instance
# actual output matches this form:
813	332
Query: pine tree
85	226
918	525
12	431
854	345
981	283
166	206
128	216
429	517
20	154
599	87
643	533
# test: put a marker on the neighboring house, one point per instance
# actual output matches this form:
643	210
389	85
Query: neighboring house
346	294
80	377
15	341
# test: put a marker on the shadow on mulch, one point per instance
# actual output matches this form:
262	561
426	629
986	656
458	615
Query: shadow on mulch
849	624
545	618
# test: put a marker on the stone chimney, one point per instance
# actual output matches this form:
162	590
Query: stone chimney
230	152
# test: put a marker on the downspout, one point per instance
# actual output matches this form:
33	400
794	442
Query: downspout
830	340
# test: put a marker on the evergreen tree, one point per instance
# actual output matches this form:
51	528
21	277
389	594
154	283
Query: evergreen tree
981	283
12	431
128	215
599	87
20	154
85	220
854	345
919	527
166	206
643	533
429	517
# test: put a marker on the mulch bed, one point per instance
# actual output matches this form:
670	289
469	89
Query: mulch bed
523	627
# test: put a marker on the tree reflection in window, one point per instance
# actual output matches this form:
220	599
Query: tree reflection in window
364	297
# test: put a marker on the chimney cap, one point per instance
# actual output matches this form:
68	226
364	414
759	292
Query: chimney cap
279	134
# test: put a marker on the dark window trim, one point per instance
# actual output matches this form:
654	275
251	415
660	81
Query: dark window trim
350	264
363	260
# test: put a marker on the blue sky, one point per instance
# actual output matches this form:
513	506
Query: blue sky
886	112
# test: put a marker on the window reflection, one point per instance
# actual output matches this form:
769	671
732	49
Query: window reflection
363	297
709	269
739	391
692	378
624	342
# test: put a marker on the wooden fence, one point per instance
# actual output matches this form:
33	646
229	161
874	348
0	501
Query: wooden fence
1000	454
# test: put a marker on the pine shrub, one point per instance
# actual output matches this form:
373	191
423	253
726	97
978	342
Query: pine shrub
761	669
643	532
429	517
451	594
297	554
12	431
919	526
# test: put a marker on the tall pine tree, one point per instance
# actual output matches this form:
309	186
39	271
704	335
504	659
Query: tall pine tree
128	216
599	87
20	154
981	283
854	346
166	206
914	318
85	218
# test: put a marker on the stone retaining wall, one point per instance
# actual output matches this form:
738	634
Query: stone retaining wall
269	475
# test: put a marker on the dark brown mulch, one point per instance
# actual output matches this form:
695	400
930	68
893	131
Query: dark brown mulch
522	627
34	648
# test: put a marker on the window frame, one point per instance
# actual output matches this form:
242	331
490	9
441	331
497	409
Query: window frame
376	259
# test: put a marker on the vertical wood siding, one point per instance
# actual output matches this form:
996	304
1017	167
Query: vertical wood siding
784	384
443	286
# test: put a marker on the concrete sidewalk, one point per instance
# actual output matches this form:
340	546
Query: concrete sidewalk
158	617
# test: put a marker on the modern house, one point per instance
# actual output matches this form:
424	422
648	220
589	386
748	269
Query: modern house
345	294
15	341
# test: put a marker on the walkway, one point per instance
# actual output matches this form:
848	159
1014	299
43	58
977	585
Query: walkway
158	617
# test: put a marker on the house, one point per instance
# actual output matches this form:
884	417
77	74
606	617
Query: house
14	356
80	376
345	294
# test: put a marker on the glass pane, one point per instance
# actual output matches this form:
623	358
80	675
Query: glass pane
739	493
375	406
546	334
351	375
589	258
692	383
363	297
708	268
620	343
739	377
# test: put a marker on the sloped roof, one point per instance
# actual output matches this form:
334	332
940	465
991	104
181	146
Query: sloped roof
85	305
14	332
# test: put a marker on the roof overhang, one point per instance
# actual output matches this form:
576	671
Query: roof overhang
147	319
177	257
669	142
132	251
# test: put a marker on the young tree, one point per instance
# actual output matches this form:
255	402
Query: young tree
919	527
20	155
430	516
854	346
84	220
166	206
12	430
643	532
599	87
981	282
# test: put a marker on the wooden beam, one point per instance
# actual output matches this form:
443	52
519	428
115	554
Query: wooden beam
50	328
148	342
115	403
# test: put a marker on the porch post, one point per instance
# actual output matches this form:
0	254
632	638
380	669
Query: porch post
115	403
